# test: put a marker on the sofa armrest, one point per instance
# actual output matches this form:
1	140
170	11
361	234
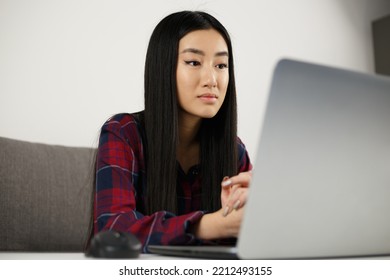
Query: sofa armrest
45	196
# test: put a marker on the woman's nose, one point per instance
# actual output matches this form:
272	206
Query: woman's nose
209	77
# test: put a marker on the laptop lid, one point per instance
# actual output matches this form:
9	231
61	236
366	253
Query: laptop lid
321	184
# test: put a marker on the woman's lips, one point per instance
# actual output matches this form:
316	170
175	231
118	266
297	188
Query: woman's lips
208	98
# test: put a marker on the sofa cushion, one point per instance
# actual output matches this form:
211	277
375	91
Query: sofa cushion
45	196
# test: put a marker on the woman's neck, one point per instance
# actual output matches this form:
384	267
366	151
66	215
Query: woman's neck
188	146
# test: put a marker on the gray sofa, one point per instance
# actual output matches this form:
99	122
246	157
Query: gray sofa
45	196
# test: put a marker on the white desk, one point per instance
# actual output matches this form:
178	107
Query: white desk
81	256
67	256
64	266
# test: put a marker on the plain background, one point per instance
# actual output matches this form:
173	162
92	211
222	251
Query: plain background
67	66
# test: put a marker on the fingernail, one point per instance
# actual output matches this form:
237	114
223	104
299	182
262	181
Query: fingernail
236	205
225	211
226	183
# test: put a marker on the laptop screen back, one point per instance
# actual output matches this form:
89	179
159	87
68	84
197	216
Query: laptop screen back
321	185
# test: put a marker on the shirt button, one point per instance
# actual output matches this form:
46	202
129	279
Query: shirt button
195	172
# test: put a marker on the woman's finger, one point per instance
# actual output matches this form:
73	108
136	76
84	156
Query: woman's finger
236	200
243	179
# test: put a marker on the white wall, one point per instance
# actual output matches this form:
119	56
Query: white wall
66	66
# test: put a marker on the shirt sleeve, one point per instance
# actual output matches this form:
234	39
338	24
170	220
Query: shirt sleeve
244	163
119	175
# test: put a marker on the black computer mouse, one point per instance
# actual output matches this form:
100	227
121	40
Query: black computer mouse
114	244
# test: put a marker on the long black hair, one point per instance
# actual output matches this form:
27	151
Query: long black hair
218	135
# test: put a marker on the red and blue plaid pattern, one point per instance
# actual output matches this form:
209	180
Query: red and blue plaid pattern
120	179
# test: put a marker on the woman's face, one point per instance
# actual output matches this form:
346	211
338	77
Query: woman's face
202	74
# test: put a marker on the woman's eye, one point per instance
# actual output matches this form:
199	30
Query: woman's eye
193	63
222	66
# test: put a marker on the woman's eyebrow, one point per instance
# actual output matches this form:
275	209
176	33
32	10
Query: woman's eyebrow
223	53
200	52
193	50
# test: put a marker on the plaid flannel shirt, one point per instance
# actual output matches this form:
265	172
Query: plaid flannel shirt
120	179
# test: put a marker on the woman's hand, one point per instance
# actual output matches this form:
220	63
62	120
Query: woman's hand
225	222
214	225
234	192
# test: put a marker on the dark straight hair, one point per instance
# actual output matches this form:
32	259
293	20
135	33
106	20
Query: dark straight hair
218	135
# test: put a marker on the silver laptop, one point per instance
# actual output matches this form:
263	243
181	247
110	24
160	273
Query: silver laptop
321	184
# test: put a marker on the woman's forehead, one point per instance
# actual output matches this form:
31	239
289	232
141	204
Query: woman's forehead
202	42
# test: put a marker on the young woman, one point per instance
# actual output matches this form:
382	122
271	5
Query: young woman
176	173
